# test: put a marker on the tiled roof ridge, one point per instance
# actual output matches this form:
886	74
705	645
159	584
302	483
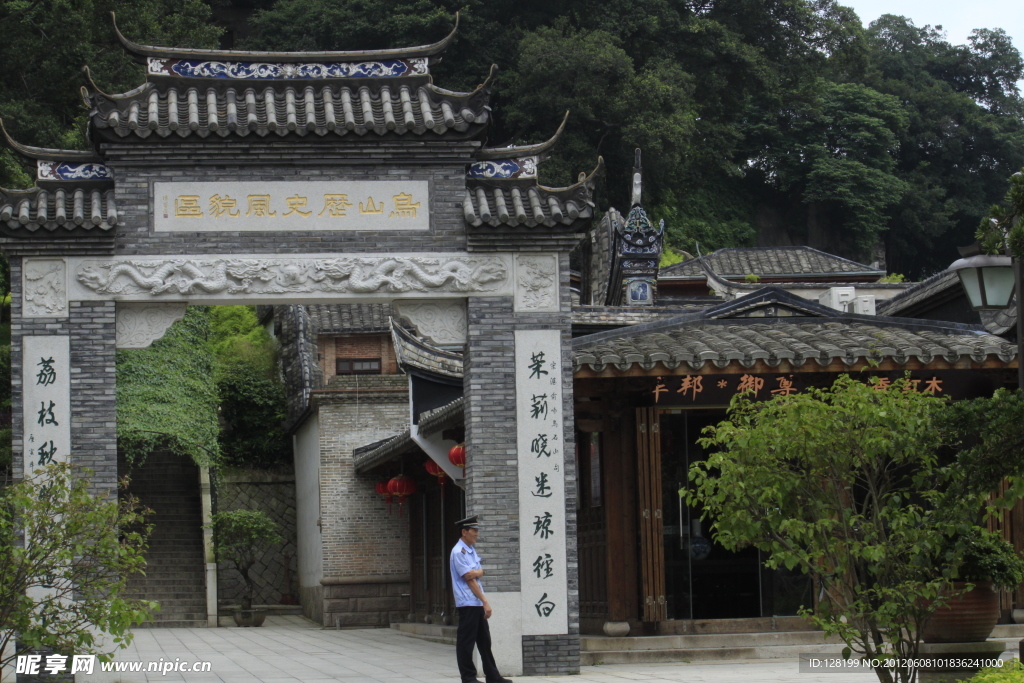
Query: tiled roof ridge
927	283
265	107
773	341
703	318
142	52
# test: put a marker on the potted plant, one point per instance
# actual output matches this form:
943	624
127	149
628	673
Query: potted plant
240	537
988	563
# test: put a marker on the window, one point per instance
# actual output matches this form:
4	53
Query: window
358	366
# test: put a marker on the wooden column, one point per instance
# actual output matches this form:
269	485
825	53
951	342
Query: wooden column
621	510
652	539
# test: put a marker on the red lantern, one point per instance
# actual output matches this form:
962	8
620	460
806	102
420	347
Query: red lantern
401	487
381	487
457	455
434	470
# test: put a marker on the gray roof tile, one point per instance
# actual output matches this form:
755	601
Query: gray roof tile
350	318
62	208
416	354
500	204
698	341
918	292
771	262
276	108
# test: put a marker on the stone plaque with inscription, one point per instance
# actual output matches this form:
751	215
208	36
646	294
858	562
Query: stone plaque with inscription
265	206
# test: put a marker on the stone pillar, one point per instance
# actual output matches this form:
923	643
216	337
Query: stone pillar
521	473
80	338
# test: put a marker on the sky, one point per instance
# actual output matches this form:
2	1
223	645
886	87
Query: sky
957	17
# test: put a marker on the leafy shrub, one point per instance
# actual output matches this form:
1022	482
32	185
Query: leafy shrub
241	536
989	557
1012	671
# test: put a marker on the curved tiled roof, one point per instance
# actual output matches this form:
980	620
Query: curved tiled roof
365	458
795	340
262	109
771	262
416	354
503	204
59	209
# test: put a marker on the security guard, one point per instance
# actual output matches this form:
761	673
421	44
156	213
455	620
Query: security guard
474	610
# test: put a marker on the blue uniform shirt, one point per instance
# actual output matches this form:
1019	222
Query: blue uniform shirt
464	559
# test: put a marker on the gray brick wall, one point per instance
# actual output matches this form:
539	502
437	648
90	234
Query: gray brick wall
442	165
492	468
93	390
551	655
274	494
359	537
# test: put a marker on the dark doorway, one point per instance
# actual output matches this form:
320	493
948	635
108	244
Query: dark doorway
703	580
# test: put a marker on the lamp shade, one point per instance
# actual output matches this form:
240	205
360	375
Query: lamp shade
987	280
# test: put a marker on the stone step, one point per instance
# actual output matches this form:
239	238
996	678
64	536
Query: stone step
171	598
704	641
592	658
175	623
435	633
1008	631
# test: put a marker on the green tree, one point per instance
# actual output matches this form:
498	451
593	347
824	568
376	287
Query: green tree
847	484
47	43
65	560
1003	228
965	134
166	394
253	406
829	161
241	537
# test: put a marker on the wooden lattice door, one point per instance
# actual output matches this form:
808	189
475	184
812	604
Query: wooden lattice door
652	539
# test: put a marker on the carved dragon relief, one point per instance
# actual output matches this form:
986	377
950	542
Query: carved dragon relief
250	276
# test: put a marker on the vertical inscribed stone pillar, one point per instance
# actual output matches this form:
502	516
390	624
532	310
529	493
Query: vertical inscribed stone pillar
62	354
521	477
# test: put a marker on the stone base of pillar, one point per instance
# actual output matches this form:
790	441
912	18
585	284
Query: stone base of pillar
551	655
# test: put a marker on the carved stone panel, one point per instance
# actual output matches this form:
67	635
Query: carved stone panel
536	283
442	322
44	288
299	278
139	325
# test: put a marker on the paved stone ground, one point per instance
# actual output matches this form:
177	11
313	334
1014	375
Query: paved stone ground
292	649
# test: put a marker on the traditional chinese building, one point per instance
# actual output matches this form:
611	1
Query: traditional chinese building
316	179
646	379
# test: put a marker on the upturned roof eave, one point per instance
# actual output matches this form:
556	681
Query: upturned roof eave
143	52
48	154
515	152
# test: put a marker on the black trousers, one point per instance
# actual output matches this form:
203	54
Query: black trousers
473	630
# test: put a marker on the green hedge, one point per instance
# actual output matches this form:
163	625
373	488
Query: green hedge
1012	671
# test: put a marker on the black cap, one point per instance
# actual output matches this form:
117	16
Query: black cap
468	523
